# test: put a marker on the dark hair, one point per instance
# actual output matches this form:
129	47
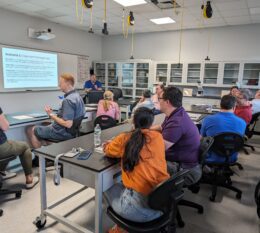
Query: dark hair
161	86
147	94
228	102
233	87
143	119
174	95
91	71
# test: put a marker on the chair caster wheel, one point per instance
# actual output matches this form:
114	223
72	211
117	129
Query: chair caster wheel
238	196
212	198
39	224
200	210
18	195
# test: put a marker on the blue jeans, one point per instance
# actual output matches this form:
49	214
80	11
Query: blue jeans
130	204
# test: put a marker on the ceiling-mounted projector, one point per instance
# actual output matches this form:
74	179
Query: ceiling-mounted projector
41	35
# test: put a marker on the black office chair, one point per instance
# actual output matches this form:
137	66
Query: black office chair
105	122
250	131
117	93
205	144
257	198
225	144
164	198
74	130
18	192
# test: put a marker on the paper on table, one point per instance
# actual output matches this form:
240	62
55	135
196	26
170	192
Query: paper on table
99	149
22	117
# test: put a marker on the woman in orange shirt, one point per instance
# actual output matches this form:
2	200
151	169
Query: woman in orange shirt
143	167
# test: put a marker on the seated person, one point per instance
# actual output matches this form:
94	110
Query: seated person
145	101
8	147
181	136
243	107
221	122
108	107
143	167
234	90
72	110
256	103
92	84
158	90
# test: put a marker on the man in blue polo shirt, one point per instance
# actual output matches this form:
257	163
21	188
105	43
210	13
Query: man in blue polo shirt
64	123
224	121
180	134
93	84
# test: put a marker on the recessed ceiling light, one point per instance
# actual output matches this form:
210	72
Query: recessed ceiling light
254	11
164	20
127	3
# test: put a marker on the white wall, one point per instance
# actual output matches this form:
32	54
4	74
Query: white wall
227	43
13	31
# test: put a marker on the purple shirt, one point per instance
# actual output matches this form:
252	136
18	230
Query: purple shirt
179	129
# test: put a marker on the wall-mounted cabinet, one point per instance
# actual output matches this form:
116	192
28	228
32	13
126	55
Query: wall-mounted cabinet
132	76
211	74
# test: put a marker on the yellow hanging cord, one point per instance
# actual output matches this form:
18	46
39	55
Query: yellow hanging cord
79	18
105	11
132	49
125	31
91	18
175	7
182	13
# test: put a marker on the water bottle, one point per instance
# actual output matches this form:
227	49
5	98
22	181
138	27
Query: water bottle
97	136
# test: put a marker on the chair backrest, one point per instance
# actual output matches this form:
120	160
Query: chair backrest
169	191
105	122
250	129
117	93
225	144
205	144
74	130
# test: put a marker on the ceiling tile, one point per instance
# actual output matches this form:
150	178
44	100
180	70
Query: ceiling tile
231	5
238	20
235	12
253	3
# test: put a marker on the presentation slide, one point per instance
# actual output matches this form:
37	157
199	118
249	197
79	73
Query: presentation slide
29	69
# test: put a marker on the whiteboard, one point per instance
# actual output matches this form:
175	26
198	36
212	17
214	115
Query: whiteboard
77	65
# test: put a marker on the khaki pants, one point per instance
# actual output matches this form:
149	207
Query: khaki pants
17	148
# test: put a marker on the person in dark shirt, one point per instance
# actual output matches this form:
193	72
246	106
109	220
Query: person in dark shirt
9	147
62	128
180	134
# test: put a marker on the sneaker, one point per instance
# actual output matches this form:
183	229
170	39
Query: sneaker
7	175
34	182
116	229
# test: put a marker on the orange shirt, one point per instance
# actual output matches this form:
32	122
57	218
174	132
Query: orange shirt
151	169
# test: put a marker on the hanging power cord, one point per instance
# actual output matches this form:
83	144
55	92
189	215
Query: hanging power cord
104	30
132	44
181	29
124	28
91	21
79	18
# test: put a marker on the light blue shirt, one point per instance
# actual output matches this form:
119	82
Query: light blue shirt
256	105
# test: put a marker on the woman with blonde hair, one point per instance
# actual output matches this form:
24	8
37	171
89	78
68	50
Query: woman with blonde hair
108	107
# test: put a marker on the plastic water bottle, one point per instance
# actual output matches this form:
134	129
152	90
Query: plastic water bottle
97	136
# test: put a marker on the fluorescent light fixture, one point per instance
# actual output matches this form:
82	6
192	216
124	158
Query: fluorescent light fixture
254	11
127	3
164	20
